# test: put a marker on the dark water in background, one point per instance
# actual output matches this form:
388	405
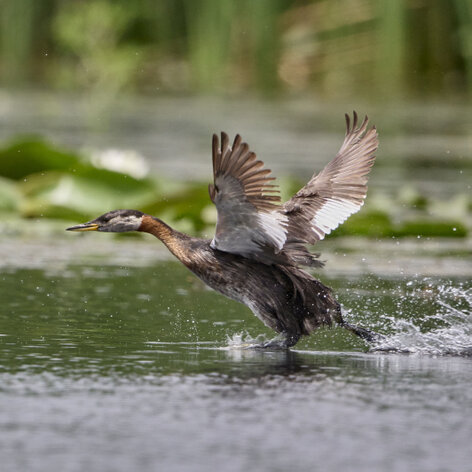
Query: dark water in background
119	367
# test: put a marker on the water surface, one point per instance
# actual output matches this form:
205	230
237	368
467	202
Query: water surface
115	365
115	358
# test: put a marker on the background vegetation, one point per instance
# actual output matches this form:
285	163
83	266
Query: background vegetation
40	181
381	50
419	47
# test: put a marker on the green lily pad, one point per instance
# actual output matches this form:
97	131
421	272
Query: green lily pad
88	192
10	196
374	223
432	229
32	156
186	205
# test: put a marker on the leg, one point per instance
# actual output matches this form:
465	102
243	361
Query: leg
363	333
281	341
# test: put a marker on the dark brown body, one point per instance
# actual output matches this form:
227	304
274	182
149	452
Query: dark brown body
285	298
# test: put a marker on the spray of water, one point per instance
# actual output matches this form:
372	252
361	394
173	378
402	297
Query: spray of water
432	320
244	341
421	317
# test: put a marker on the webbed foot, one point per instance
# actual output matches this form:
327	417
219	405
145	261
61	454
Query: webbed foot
281	342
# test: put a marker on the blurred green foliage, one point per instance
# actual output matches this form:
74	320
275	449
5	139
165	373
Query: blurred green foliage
333	47
90	37
38	180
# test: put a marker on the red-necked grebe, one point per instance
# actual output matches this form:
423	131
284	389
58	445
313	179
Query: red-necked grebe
260	244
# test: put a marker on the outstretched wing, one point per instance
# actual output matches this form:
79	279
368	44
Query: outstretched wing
338	191
248	222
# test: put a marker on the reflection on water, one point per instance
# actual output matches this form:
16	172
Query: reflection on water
109	367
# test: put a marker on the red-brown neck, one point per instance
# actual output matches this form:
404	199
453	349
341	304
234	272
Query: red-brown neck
156	227
174	240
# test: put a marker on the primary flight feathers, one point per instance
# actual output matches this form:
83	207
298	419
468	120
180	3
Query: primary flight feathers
252	223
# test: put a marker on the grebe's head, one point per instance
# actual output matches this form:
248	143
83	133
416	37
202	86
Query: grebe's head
116	221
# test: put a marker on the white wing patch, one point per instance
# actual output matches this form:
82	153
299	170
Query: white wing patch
332	214
274	226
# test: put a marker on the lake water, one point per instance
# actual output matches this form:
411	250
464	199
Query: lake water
114	358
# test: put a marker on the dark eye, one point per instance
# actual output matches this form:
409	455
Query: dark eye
104	218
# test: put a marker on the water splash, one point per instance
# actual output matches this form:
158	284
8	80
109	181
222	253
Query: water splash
434	320
425	316
243	340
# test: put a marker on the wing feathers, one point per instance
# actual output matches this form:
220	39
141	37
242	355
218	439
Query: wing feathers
246	201
214	152
339	190
253	224
239	165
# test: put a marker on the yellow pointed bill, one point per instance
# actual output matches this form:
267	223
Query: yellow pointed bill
84	227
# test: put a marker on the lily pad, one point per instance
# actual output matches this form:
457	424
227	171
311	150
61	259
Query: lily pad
10	197
32	156
188	204
88	192
432	229
374	223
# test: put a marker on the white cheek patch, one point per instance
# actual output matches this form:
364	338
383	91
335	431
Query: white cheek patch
122	225
132	223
